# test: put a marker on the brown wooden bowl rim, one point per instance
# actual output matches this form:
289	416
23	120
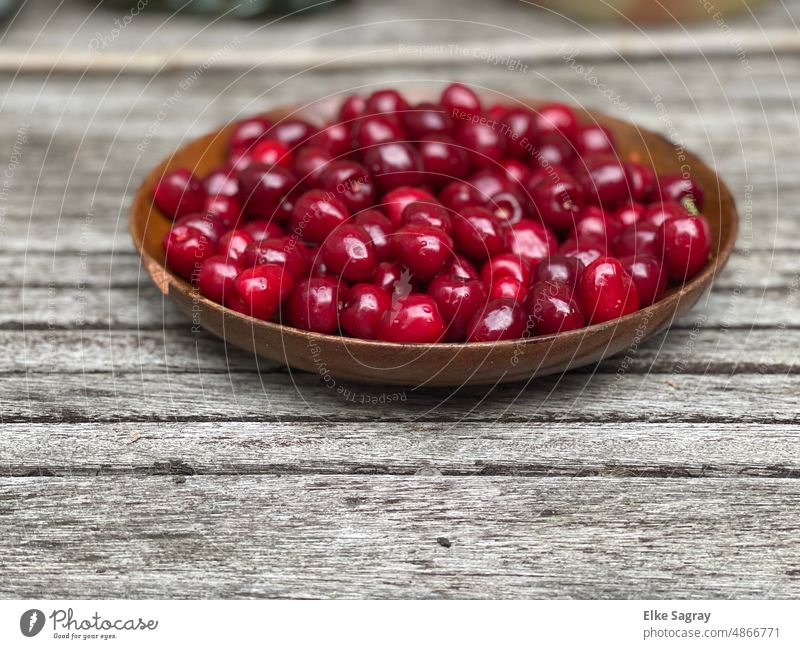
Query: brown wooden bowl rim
720	257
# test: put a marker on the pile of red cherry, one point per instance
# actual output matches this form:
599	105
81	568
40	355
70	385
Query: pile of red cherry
435	222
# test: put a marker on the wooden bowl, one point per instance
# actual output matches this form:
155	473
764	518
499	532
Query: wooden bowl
444	364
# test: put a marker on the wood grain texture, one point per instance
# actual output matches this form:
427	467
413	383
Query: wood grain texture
318	536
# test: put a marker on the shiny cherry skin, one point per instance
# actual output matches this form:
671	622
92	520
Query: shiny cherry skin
642	182
500	319
604	180
553	309
531	240
216	277
508	207
309	163
460	267
606	291
212	227
557	197
629	213
224	208
372	130
442	159
458	99
379	228
292	132
426	119
261	290
394	164
262	187
554	149
515	171
555	118
186	249
388	275
414	318
233	243
478	234
333	138
585	249
657	213
490	182
260	229
362	311
314	305
561	269
350	182
685	243
388	101
284	252
592	139
521	131
221	181
352	108
316	214
247	132
681	189
270	152
506	265
423	249
649	276
508	288
485	145
457	195
594	223
637	239
427	213
178	193
458	300
349	253
395	201
496	112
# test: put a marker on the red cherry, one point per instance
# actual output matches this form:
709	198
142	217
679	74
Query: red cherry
531	240
458	300
516	172
649	276
557	197
216	277
506	265
261	290
395	201
561	269
314	305
352	108
490	182
363	309
225	209
508	288
604	180
592	139
423	249
270	152
686	244
412	319
457	195
179	193
657	213
427	213
643	182
497	320
348	251
284	252
553	308
484	144
427	119
521	131
553	149
477	233
372	130
508	207
557	119
247	132
186	248
458	99
586	249
394	164
350	182
388	275
260	229
629	214
387	101
637	239
379	228
233	244
334	138
596	224
681	189
496	112
208	224
606	291
442	159
309	163
262	188
221	181
292	132
316	214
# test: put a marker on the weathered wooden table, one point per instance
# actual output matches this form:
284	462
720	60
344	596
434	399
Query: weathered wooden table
140	459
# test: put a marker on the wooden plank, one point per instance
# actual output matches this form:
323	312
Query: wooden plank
415	536
666	450
620	397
